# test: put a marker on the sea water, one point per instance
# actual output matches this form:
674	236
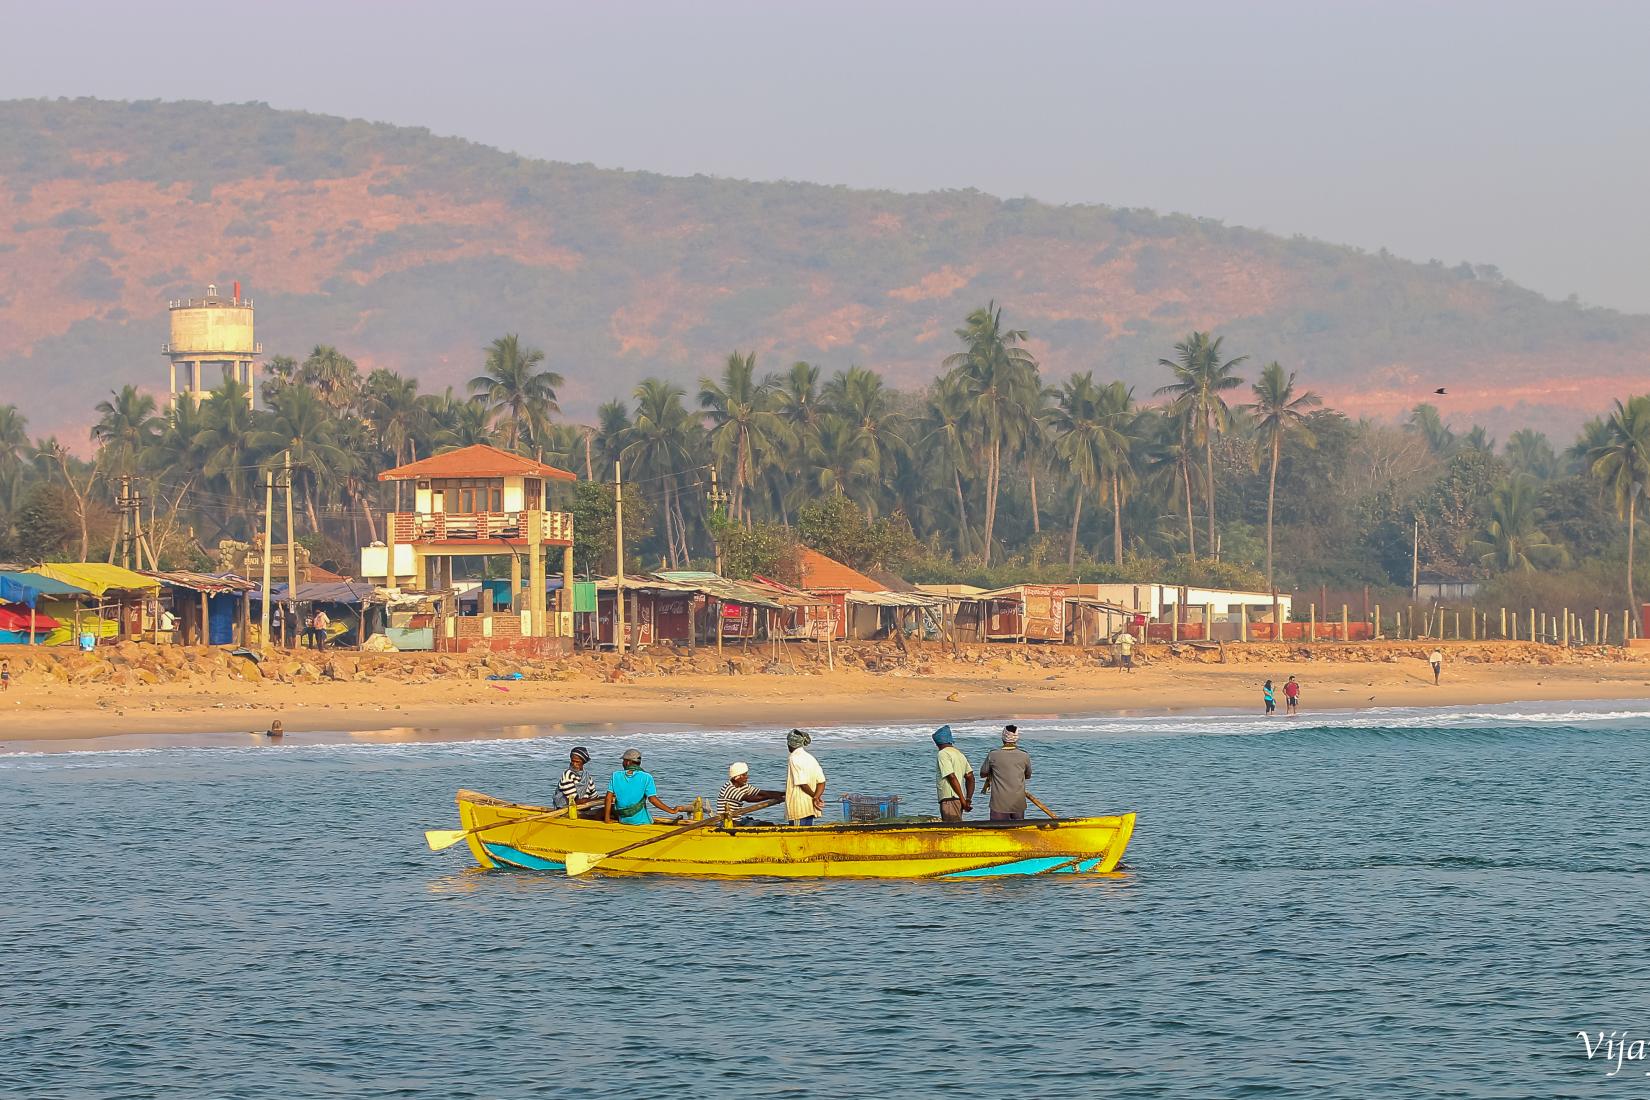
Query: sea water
1384	903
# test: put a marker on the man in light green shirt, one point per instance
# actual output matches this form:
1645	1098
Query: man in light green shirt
956	777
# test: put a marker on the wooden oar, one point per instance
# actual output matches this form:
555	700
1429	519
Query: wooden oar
579	863
1054	816
440	840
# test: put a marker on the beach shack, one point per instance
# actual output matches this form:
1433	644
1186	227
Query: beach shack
24	598
482	502
208	608
122	603
1024	613
353	607
846	591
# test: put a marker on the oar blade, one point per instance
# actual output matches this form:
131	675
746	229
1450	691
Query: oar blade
579	863
440	840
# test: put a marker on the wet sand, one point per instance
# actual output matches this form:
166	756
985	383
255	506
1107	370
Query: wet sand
35	715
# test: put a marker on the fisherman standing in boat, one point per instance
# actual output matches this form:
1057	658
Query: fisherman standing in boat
1005	771
804	782
630	790
956	777
574	777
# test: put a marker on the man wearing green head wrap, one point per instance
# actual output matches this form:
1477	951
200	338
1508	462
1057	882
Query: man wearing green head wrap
804	782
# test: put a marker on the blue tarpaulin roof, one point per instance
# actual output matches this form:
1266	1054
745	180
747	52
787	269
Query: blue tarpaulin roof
29	588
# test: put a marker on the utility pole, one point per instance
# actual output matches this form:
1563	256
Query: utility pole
291	547
269	532
618	559
1415	563
717	498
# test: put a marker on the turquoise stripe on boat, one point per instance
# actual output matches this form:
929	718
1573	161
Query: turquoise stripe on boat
1017	867
515	857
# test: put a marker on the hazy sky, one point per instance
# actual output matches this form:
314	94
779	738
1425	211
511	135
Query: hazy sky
1510	133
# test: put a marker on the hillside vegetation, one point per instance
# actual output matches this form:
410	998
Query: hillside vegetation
412	251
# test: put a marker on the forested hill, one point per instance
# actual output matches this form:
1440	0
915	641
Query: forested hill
412	251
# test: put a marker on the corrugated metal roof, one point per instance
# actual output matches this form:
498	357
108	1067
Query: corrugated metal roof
476	460
210	583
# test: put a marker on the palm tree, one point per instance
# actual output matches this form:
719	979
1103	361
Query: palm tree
1080	441
1512	541
1120	421
1622	463
126	429
455	422
1529	451
398	416
858	396
1002	377
1425	421
661	445
298	423
836	459
796	398
945	427
1279	412
518	396
744	428
224	441
1200	379
333	376
177	457
14	443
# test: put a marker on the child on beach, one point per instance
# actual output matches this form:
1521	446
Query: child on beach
5	675
1271	701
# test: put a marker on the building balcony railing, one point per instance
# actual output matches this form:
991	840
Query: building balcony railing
481	527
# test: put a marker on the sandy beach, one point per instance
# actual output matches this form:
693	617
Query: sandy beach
434	699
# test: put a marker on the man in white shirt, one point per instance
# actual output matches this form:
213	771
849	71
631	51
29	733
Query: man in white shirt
804	782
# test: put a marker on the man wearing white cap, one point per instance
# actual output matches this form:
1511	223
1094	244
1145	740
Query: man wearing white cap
738	790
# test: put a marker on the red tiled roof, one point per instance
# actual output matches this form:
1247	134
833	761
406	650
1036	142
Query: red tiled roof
477	460
820	573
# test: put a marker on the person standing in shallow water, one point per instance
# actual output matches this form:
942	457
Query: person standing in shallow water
1005	771
1270	699
1291	695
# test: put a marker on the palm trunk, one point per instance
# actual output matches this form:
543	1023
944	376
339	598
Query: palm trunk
1076	518
589	468
372	522
1209	472
1116	518
1036	520
1271	500
991	497
309	509
962	510
1632	521
1191	526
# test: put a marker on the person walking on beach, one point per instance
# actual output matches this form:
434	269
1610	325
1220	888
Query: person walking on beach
1005	771
567	788
1270	700
955	775
1125	650
804	782
1437	660
738	790
1291	695
630	790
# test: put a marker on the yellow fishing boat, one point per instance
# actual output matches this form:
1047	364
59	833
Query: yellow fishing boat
500	834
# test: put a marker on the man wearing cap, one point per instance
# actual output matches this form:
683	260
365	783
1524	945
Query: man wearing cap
804	782
738	790
630	790
956	777
1005	771
573	778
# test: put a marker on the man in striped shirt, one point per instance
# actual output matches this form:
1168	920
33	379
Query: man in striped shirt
572	778
737	791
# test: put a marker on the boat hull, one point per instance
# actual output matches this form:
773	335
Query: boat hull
885	850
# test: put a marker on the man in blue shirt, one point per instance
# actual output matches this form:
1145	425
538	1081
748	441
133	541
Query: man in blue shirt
630	790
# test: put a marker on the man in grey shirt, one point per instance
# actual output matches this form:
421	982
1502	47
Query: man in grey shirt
1005	772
